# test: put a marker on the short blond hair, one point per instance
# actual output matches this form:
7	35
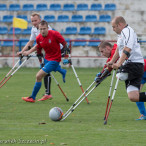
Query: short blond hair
35	14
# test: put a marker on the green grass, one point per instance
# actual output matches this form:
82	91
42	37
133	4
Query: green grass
19	121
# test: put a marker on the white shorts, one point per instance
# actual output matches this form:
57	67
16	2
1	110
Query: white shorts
132	88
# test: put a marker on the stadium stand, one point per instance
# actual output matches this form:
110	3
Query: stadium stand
3	7
96	7
68	7
110	7
85	30
3	30
27	31
22	17
55	7
91	18
104	18
63	18
22	42
14	7
41	7
17	31
7	43
93	44
7	18
28	7
49	18
79	43
77	18
82	7
99	30
70	30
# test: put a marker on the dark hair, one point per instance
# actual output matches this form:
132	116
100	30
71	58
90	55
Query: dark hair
103	44
43	22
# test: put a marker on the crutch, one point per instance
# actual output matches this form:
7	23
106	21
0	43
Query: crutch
77	102
11	70
59	87
109	95
116	85
14	70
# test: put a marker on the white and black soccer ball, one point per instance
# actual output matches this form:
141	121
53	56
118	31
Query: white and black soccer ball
56	114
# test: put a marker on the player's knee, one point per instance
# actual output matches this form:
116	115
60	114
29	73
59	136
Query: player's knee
38	77
133	96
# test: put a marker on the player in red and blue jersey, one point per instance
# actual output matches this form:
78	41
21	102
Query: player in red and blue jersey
50	41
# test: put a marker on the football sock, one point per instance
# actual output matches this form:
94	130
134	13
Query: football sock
36	89
142	97
141	108
47	83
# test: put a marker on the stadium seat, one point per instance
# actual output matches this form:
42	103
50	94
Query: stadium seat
82	7
96	7
22	17
3	7
77	18
79	43
67	40
68	7
104	18
14	7
99	30
94	44
7	44
91	18
63	18
7	18
27	31
55	7
85	30
71	30
41	7
28	7
110	7
17	31
49	18
3	30
22	42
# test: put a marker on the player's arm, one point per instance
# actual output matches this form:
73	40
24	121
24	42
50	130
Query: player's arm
26	53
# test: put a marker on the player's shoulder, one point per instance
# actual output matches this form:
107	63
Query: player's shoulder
38	37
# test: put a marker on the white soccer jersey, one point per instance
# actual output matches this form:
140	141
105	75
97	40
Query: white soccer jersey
35	32
128	38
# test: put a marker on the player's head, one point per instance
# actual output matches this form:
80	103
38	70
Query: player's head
43	27
105	48
35	19
118	24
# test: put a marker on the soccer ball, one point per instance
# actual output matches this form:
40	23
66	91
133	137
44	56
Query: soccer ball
56	114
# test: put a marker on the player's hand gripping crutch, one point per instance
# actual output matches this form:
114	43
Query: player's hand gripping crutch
80	99
13	70
69	61
109	95
112	99
59	87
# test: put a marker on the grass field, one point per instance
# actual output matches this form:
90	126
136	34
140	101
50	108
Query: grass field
19	121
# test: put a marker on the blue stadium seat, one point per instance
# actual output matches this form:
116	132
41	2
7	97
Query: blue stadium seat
41	7
7	18
22	42
110	7
79	43
17	31
63	18
91	18
14	7
68	7
99	30
77	18
22	17
49	18
71	30
28	7
94	44
7	44
67	40
3	7
3	30
96	7
27	31
85	30
104	18
82	7
55	7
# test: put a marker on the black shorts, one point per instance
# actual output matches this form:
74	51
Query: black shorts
135	72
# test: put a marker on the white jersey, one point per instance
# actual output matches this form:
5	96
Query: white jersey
128	38
35	32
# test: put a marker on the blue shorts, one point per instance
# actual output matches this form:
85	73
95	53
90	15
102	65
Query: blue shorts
50	66
143	81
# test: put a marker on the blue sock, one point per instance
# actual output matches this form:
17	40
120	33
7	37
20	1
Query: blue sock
36	89
62	71
141	108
